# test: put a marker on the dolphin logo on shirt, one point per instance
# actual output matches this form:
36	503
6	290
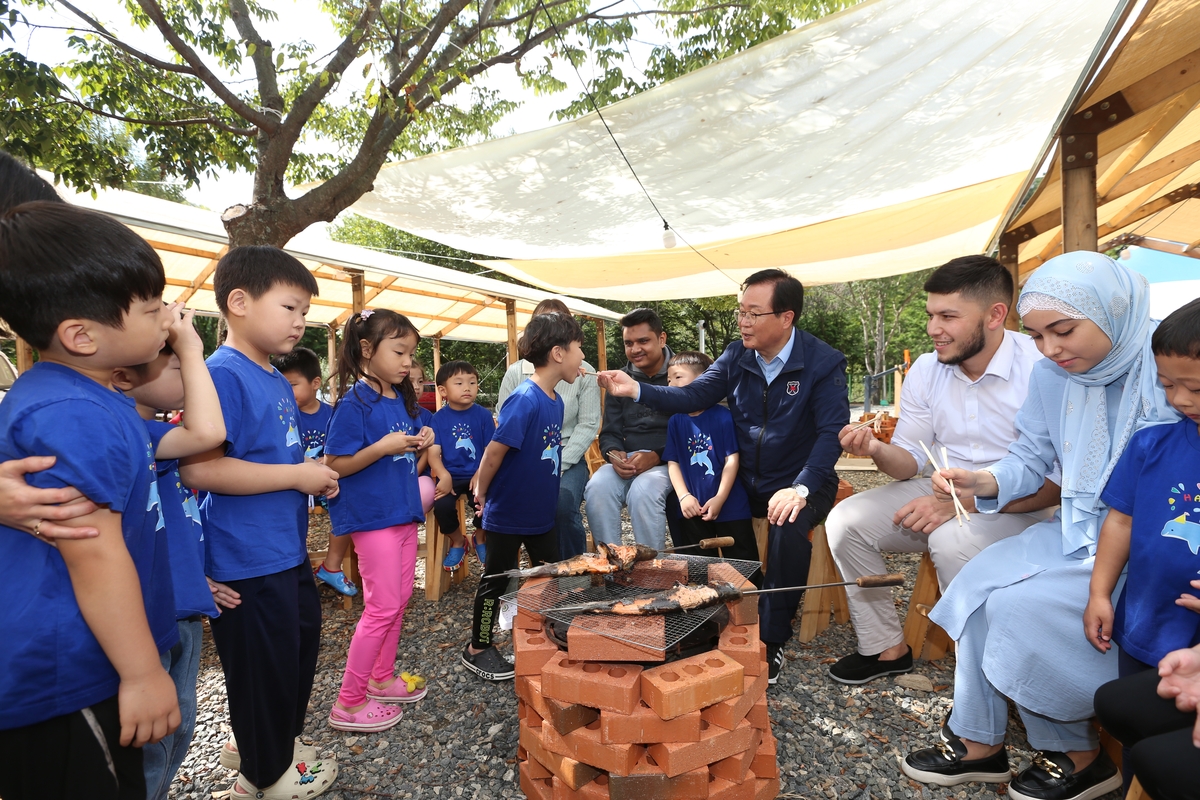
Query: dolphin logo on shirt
1180	528
466	444
551	454
292	436
154	503
702	459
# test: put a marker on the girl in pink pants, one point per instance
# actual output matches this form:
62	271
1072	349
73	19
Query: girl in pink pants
373	442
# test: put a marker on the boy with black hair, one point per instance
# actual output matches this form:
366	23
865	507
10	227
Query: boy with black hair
84	624
463	431
255	518
516	488
702	459
1152	527
302	369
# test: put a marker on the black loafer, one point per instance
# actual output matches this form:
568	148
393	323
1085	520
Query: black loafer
1052	776
945	731
946	765
857	668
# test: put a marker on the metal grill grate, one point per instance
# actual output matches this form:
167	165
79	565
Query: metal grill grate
657	633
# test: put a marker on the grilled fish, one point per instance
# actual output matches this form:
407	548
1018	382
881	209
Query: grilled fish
680	597
583	564
624	556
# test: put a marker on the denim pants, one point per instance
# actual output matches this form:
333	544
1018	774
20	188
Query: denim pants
646	496
161	760
568	519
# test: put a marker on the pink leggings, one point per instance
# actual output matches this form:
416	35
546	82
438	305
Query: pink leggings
387	561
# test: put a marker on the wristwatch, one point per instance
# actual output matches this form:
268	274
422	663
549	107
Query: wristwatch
800	489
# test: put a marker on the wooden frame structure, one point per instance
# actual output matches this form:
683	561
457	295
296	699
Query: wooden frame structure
1124	164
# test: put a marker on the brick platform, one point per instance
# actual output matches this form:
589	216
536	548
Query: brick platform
693	729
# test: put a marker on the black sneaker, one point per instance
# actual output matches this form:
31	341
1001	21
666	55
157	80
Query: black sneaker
1052	776
945	765
774	662
489	664
857	668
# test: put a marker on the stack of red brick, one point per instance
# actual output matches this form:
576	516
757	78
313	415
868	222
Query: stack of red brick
595	725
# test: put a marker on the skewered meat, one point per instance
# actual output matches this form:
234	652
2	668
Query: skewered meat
583	564
624	556
680	597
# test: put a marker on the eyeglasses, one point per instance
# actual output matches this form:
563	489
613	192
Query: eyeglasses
752	316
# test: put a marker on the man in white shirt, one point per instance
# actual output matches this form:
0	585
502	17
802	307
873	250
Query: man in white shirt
964	396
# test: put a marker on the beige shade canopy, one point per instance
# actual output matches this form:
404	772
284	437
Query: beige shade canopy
886	138
441	302
1143	108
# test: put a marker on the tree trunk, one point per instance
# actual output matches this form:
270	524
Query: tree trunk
268	224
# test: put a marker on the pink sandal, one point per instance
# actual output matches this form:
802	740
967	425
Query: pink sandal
372	718
405	688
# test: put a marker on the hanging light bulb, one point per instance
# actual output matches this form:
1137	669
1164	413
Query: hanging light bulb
1127	253
668	236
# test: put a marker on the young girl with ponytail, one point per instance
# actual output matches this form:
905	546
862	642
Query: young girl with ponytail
373	442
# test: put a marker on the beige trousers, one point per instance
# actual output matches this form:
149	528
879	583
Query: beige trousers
860	529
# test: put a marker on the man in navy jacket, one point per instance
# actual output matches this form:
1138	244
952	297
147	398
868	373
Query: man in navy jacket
787	392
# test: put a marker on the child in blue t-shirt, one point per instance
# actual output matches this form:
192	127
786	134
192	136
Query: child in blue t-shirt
516	487
302	369
462	430
84	621
1153	522
177	375
373	441
255	517
702	459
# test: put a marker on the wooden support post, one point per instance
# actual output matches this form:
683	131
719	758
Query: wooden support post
510	311
357	291
437	358
24	355
331	344
601	347
899	378
1009	257
1078	154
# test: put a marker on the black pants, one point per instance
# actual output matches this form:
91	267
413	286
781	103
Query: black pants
789	553
445	509
503	554
692	530
268	649
1160	735
65	758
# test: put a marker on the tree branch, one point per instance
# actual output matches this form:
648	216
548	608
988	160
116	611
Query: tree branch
264	122
157	123
264	66
157	63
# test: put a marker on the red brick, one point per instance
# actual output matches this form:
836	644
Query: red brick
573	773
592	644
758	716
534	697
644	726
736	767
661	573
649	782
535	788
532	718
741	612
609	687
715	744
728	713
566	718
741	643
765	763
531	592
536	770
521	754
532	650
691	683
584	745
721	789
595	790
766	788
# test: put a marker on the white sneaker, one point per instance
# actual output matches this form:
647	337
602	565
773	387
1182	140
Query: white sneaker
302	779
231	759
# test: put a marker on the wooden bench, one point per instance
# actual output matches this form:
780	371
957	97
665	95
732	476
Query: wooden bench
927	640
349	562
437	580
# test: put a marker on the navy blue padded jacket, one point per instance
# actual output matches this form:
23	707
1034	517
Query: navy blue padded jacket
788	432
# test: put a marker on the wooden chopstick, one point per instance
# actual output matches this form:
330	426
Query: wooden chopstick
959	510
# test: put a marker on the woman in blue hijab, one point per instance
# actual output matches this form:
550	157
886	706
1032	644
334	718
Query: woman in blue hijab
1016	609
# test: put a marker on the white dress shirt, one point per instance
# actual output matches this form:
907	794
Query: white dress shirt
974	420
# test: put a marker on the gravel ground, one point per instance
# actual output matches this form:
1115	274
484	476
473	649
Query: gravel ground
461	741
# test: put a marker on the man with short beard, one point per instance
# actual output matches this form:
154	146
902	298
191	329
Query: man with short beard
964	396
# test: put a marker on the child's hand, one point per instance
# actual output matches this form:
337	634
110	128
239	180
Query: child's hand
182	335
445	486
480	500
148	707
223	596
690	507
711	510
426	437
397	444
316	479
1098	622
1190	601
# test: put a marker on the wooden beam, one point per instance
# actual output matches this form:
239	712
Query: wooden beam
1168	118
1164	83
471	312
1180	159
1153	207
1156	244
1078	154
601	347
1009	246
510	310
331	351
204	274
357	293
24	355
169	247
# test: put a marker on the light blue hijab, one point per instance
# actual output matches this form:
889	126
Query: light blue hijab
1093	286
